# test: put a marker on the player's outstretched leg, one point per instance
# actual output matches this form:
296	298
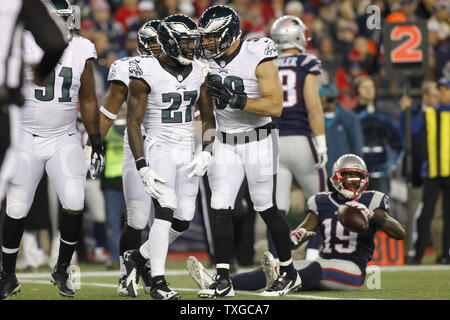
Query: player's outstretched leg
198	273
8	285
270	268
61	277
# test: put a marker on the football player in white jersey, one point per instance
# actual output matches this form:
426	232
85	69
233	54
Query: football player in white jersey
247	92
138	202
49	142
162	94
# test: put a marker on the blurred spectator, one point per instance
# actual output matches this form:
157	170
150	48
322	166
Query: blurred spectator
437	173
201	6
101	13
407	12
254	22
87	29
167	7
344	79
146	12
241	7
294	8
440	19
128	13
187	8
328	13
131	45
112	187
343	129
105	56
424	9
364	52
331	60
383	140
429	99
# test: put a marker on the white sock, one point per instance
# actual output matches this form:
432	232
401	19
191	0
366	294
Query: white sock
157	245
173	235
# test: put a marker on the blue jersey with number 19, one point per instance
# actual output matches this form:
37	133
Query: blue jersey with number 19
339	242
293	70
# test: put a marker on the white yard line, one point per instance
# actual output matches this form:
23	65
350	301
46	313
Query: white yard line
179	272
108	285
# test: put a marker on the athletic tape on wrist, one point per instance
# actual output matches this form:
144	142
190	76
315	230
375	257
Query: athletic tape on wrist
108	114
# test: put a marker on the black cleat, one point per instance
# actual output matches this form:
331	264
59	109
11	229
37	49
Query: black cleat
8	285
161	291
221	287
146	276
133	273
282	286
62	278
122	288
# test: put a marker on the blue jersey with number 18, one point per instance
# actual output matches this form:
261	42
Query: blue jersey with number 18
293	70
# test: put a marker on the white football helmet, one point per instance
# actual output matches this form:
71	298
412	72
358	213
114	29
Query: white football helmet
289	32
350	186
64	9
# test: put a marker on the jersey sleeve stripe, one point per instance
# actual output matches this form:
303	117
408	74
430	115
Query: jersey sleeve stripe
376	200
143	80
267	59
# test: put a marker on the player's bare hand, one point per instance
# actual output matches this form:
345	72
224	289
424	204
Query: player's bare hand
358	205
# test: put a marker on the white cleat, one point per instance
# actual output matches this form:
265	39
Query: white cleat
198	272
270	268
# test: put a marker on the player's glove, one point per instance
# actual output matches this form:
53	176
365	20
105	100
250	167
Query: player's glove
321	152
358	205
299	235
149	178
219	91
97	156
200	164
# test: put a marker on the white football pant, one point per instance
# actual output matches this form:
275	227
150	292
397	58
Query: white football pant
61	157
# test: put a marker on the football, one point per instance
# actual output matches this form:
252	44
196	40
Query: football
353	219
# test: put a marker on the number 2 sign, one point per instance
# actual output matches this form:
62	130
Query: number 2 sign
406	48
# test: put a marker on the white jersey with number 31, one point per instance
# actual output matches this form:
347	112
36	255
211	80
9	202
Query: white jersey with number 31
51	110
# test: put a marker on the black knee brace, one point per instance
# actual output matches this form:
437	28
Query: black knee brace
162	213
180	225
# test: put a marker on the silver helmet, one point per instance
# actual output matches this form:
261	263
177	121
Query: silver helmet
350	176
289	32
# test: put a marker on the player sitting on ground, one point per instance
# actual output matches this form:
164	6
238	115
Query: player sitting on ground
345	254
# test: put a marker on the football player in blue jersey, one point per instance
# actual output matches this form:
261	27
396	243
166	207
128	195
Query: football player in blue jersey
345	254
301	124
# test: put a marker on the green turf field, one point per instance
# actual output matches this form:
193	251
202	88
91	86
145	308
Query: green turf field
426	282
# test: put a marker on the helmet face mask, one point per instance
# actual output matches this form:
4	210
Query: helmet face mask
350	176
65	10
219	27
178	38
147	39
289	32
